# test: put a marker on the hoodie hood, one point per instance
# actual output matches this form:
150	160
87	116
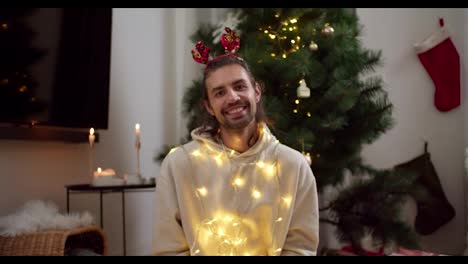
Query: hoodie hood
265	138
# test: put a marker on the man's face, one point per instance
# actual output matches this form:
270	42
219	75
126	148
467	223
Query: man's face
231	97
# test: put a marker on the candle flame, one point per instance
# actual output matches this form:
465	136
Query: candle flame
91	131
99	170
137	126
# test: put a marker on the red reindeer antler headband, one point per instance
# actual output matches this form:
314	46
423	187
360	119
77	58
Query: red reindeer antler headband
230	42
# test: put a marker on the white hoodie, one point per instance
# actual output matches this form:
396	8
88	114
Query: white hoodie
211	200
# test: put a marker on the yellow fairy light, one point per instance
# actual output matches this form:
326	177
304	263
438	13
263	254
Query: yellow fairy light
273	55
295	111
284	56
296	101
287	200
298	38
293	21
172	150
308	114
266	31
196	252
202	191
22	89
238	181
261	164
196	153
211	221
256	194
237	242
277	15
284	29
272	36
285	23
290	29
270	170
219	159
279	219
293	41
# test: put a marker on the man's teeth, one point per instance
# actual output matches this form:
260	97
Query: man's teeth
237	110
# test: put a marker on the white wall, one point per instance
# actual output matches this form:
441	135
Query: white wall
38	170
410	89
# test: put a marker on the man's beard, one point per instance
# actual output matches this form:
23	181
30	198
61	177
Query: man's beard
245	120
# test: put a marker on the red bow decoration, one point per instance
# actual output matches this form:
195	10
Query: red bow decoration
230	41
201	53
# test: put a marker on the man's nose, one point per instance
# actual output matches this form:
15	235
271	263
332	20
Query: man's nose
232	96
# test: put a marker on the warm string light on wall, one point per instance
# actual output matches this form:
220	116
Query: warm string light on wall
230	229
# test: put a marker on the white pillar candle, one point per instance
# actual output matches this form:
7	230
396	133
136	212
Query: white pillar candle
137	133
92	137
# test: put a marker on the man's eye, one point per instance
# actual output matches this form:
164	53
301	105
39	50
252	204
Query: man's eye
220	93
241	87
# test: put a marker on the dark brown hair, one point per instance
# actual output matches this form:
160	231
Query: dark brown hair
209	124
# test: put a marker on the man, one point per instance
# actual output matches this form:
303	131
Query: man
234	189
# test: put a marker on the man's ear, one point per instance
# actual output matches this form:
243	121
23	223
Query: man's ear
258	92
208	107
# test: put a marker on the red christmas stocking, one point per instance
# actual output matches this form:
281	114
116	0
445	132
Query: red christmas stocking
441	60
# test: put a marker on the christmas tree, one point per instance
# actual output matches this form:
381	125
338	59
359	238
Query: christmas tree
17	86
323	101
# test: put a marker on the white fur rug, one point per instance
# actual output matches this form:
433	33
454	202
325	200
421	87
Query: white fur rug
36	216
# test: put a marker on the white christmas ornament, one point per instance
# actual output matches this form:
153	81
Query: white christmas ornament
231	21
303	91
313	46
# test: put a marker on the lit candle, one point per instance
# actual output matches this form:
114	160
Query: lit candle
137	133
91	137
107	172
91	144
98	171
138	146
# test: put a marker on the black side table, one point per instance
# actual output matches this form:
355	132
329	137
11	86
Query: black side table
88	188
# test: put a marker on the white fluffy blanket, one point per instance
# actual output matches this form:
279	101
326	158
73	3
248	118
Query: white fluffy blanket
36	216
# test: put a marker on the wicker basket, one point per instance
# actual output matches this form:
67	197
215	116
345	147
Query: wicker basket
54	243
